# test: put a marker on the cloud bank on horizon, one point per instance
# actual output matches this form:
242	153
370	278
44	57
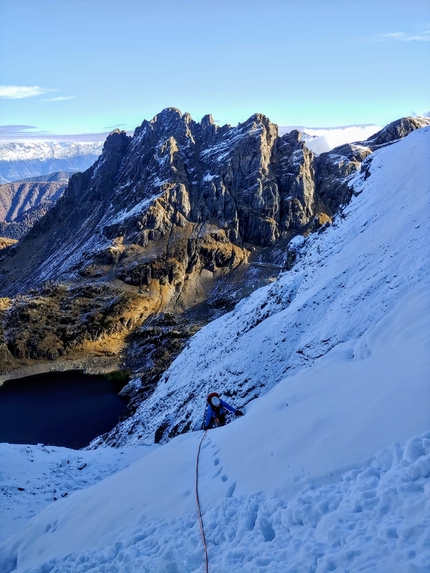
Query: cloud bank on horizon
322	140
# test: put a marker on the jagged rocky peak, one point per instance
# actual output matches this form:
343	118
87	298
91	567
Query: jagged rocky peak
259	118
164	123
117	130
207	120
117	139
172	150
169	116
176	175
209	128
198	184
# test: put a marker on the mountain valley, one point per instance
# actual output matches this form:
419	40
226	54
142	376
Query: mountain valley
24	202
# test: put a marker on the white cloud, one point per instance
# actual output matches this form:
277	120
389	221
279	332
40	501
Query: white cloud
59	98
20	92
423	36
322	140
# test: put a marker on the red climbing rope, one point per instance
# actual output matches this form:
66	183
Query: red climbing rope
198	505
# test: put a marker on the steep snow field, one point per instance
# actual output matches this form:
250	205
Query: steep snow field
32	477
328	471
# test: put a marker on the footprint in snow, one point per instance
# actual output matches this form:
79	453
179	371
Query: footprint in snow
231	489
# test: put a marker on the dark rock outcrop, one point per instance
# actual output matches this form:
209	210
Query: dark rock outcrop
396	130
334	170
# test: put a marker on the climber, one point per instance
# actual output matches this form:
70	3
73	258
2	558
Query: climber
216	410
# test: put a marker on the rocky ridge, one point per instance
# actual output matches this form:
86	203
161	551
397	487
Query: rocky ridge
22	203
166	231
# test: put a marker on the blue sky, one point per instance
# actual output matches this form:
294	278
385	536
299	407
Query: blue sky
88	66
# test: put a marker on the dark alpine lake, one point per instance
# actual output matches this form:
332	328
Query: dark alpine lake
59	409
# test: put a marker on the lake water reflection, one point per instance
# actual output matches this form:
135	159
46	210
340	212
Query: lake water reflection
58	408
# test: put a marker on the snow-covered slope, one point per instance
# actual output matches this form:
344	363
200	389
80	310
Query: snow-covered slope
345	280
19	160
329	470
32	477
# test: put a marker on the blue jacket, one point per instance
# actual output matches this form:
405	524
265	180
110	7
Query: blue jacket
211	414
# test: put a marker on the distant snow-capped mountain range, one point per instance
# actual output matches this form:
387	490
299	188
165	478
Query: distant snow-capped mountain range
20	160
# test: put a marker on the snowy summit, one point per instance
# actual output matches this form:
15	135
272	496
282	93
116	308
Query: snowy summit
329	468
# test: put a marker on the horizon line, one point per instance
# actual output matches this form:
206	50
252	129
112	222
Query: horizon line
101	136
